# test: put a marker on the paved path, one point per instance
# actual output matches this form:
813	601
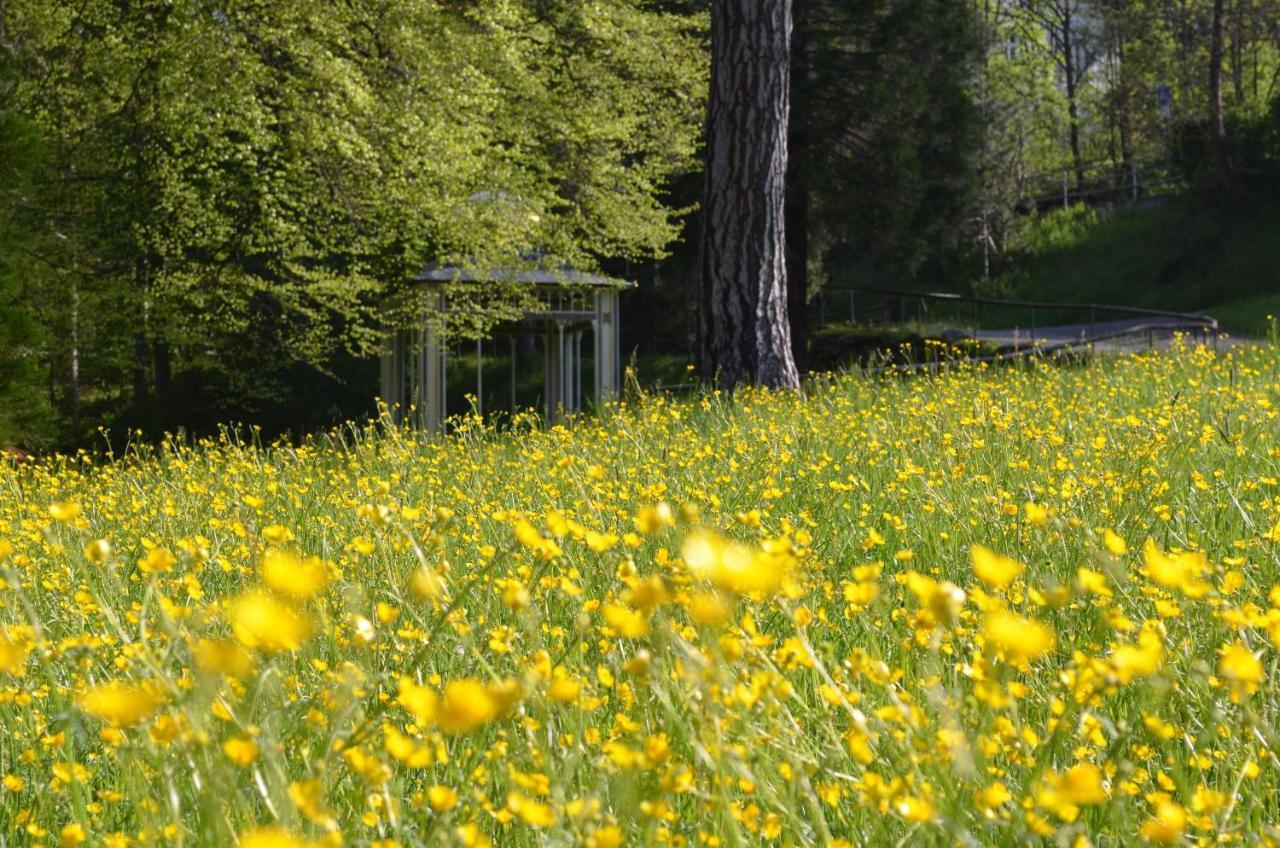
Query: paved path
1124	334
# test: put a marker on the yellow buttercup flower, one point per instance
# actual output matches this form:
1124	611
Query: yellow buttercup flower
1176	571
996	570
1166	826
629	623
13	652
157	561
1019	639
65	511
530	811
121	704
265	624
221	656
97	551
272	837
465	705
442	798
1140	660
287	574
1241	668
734	566
942	601
1115	545
427	584
241	750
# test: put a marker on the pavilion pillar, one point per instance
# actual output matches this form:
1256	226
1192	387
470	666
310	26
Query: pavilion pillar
607	346
394	349
431	373
554	370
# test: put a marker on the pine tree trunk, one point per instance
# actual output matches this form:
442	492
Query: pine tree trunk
797	203
744	332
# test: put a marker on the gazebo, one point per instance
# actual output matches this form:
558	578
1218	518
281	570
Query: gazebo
415	356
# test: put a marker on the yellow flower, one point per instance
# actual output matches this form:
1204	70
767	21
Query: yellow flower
542	547
942	601
272	837
996	570
1115	545
609	836
406	749
286	574
1037	515
993	796
631	624
241	750
277	534
600	542
13	653
1141	660
71	836
426	584
653	518
1167	825
64	511
442	798
1176	571
222	656
736	567
915	809
420	701
465	705
262	623
121	704
531	812
308	796
157	561
564	690
1082	784
97	551
1242	669
1020	639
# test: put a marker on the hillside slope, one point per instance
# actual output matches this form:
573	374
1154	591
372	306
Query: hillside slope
1174	256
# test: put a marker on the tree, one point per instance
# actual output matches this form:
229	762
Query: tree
745	335
1217	116
237	188
889	133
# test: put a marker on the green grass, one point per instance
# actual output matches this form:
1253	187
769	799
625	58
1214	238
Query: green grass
1176	256
715	621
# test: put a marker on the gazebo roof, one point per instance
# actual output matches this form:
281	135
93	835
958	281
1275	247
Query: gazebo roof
534	276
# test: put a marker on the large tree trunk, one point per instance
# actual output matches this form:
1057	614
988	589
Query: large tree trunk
797	203
744	331
1217	121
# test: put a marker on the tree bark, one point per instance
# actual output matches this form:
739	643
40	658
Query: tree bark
1217	120
744	331
797	202
1070	73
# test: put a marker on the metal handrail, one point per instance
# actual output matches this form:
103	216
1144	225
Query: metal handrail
1029	304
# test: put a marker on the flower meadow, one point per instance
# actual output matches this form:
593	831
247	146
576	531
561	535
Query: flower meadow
1019	605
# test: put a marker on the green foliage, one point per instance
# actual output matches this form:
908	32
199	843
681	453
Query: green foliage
1179	256
237	189
892	129
25	415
